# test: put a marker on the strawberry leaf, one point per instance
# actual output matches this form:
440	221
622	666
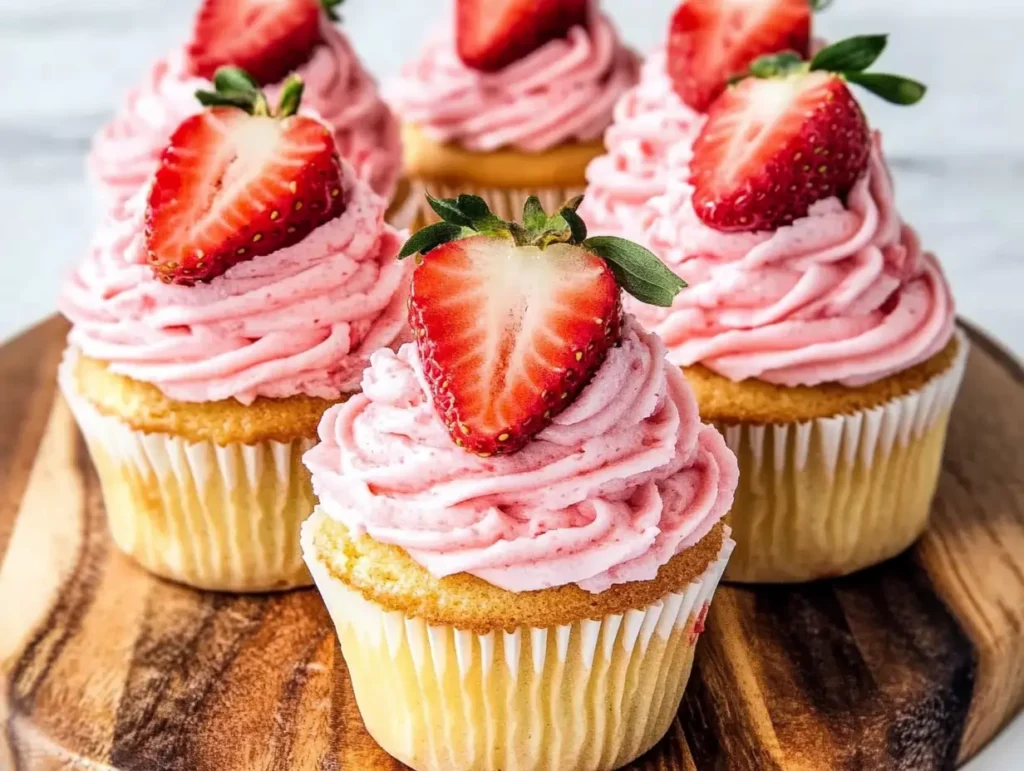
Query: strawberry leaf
637	270
855	54
448	210
291	96
534	216
820	5
234	79
576	225
331	9
430	237
573	203
776	65
892	88
473	206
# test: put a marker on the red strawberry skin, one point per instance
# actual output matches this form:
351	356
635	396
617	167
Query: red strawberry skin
773	147
492	34
232	186
266	39
508	336
710	41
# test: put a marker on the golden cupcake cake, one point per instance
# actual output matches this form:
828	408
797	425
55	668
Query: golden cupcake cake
519	523
817	332
511	103
217	315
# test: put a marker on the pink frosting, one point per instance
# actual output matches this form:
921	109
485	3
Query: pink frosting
302	320
125	152
564	91
624	479
648	144
845	294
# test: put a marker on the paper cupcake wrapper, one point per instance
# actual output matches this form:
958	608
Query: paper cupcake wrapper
594	694
830	496
404	208
223	518
505	202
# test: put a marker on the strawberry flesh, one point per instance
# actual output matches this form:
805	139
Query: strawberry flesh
710	41
508	336
232	186
492	34
773	147
266	39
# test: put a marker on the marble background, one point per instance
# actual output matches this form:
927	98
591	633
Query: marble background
958	157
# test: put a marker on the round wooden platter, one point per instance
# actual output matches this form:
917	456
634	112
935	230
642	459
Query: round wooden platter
911	665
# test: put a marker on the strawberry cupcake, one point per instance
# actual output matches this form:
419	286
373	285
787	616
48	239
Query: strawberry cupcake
268	40
519	523
511	100
655	122
218	314
817	333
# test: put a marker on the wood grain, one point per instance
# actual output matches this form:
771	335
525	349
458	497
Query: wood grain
911	665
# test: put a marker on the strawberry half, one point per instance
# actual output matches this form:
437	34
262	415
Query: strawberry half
711	41
266	39
512	321
491	34
789	136
237	182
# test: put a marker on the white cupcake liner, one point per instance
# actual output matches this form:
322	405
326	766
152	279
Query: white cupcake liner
223	518
594	694
829	496
505	202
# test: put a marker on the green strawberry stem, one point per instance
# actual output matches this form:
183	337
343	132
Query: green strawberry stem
848	58
820	5
331	8
233	87
637	270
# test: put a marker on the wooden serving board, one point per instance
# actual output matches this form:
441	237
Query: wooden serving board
911	665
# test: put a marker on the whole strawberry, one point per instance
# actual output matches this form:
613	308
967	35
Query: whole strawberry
266	39
789	135
237	181
512	321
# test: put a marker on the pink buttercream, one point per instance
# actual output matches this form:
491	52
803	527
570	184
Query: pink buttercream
125	152
648	144
624	479
564	91
302	320
845	294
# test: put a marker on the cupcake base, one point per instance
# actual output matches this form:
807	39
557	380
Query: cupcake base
821	497
588	694
205	511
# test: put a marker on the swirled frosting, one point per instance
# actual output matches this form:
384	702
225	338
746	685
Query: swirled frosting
647	144
845	294
301	320
126	151
623	480
562	92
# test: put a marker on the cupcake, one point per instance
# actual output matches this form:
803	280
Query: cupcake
519	523
268	41
656	121
212	326
817	333
512	107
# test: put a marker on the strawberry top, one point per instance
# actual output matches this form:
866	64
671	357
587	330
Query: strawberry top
268	40
512	320
239	180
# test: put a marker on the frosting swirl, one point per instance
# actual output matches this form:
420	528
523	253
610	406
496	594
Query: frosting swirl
845	294
624	479
647	144
562	92
126	151
302	320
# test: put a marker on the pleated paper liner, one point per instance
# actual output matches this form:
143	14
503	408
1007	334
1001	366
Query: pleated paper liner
505	202
831	496
594	694
223	518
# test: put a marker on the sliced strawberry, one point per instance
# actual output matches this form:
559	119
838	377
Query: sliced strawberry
772	147
711	41
267	38
491	34
508	336
232	186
